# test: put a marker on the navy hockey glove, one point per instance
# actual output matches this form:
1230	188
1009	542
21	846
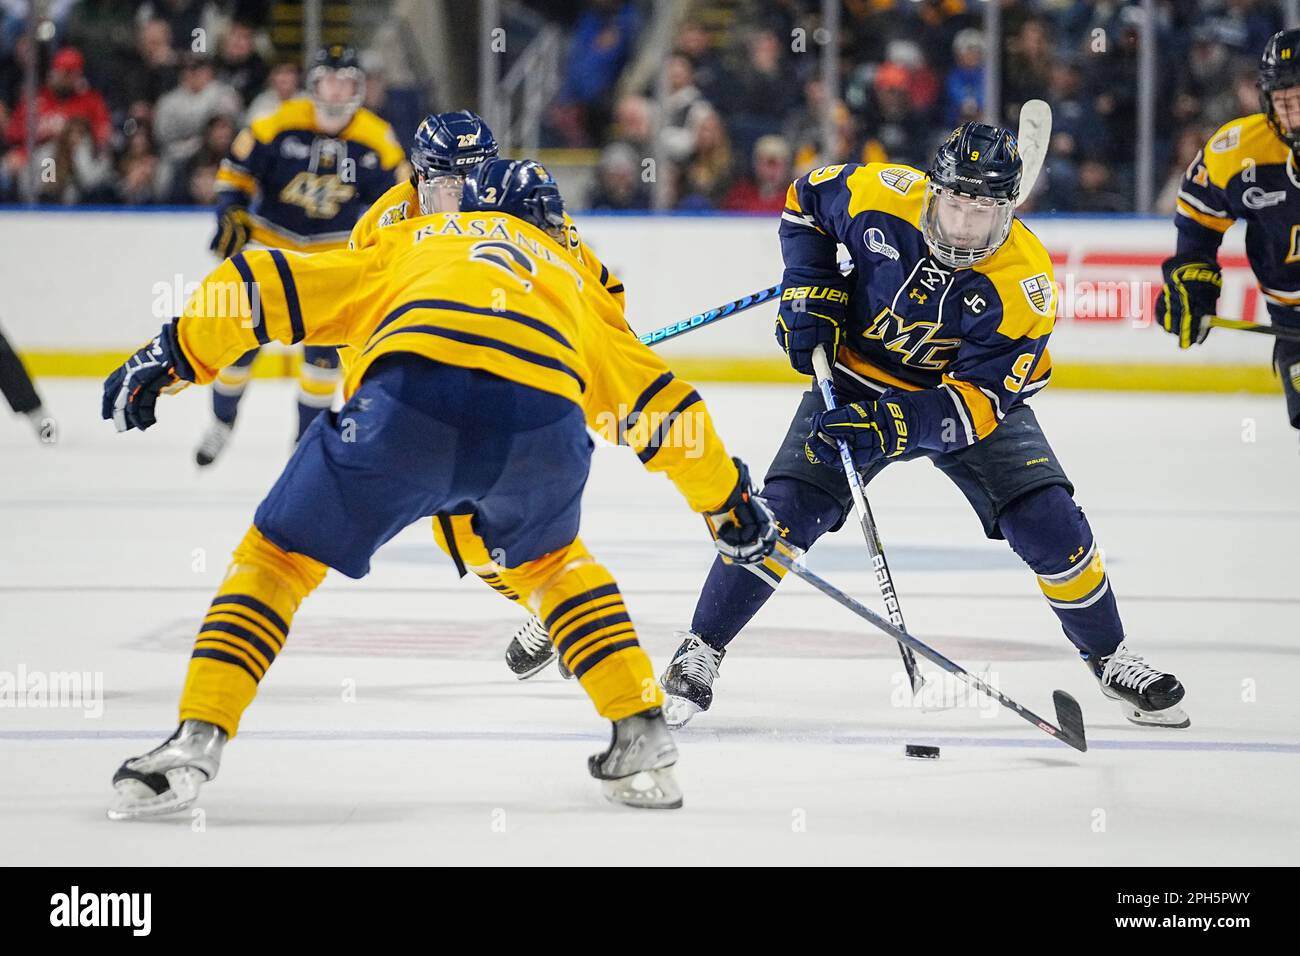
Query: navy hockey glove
234	226
873	430
131	392
743	528
809	316
1190	293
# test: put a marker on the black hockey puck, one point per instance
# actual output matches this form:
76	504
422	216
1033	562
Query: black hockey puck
925	753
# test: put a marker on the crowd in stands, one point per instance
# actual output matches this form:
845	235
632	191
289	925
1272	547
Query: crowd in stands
724	123
137	103
747	109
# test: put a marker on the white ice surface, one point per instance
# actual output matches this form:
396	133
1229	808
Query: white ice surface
112	545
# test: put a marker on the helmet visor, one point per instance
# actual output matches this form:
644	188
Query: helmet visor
1286	108
440	193
963	229
336	94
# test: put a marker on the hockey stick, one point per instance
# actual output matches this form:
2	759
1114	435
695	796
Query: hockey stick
1282	332
1033	138
704	318
1069	716
874	548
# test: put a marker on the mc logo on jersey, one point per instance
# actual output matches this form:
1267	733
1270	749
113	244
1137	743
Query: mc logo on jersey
913	341
1038	290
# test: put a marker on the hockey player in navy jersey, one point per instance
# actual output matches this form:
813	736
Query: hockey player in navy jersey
298	180
1248	170
937	336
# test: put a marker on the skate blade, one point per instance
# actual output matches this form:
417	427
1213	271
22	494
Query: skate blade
133	800
1173	717
678	711
532	671
646	790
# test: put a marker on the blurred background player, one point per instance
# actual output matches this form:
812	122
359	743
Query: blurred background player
298	180
938	335
18	390
1248	170
452	401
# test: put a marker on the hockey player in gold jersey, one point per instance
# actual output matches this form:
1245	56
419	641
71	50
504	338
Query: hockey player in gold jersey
481	351
446	147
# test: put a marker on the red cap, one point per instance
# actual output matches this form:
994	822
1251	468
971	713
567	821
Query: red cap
69	60
892	76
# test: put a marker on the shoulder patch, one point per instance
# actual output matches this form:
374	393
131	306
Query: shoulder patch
1038	292
899	178
393	214
1227	140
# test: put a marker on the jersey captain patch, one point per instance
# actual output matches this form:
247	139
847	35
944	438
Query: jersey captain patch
1038	290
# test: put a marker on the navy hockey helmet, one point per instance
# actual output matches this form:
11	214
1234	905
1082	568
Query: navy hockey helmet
518	187
340	61
970	199
1279	69
448	145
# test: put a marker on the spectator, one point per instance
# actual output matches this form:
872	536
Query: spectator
192	22
694	43
765	189
634	123
898	133
149	70
603	40
139	170
183	114
202	180
239	65
1026	73
964	90
683	102
399	106
73	168
1099	190
708	175
285	83
66	96
758	96
13	69
619	184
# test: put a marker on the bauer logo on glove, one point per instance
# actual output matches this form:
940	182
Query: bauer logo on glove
1190	294
872	431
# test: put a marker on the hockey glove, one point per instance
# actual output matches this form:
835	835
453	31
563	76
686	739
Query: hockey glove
743	528
1191	292
873	430
131	392
233	228
809	316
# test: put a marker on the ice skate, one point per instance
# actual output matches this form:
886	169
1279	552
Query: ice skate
213	443
530	650
168	778
688	681
1147	696
636	770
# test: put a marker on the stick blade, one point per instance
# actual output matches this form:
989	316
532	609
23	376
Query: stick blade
1069	717
1034	137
